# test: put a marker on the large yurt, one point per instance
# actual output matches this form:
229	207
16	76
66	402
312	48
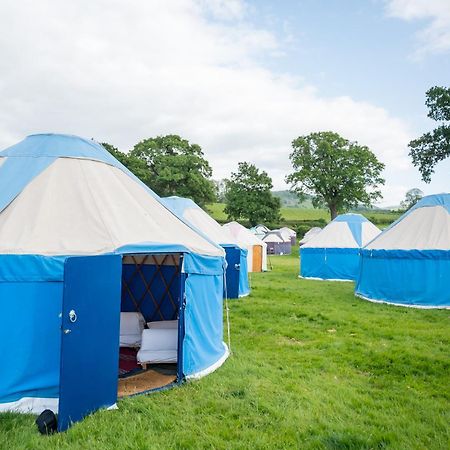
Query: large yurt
236	255
333	254
98	281
257	249
276	244
409	262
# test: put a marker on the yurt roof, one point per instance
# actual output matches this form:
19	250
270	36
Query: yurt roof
273	237
200	220
426	226
345	231
243	234
65	195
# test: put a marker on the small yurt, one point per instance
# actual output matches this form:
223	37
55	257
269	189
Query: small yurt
259	230
276	244
257	249
104	292
310	234
333	254
290	234
409	262
236	255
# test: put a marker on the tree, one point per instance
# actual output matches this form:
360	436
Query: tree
411	198
248	196
434	146
176	167
336	172
133	164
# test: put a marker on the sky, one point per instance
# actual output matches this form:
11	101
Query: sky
241	78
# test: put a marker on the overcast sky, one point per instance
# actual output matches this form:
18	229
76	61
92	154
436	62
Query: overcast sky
240	78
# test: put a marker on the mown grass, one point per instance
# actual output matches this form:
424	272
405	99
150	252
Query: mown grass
313	367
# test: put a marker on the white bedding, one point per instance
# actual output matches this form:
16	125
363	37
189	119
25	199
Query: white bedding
158	345
131	326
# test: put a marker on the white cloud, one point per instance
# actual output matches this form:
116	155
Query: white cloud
122	72
435	36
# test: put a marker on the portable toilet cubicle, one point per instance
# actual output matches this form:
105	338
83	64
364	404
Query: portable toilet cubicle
276	245
257	249
236	255
289	234
82	243
409	262
333	254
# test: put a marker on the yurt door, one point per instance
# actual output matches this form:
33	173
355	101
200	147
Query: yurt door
90	336
233	256
257	258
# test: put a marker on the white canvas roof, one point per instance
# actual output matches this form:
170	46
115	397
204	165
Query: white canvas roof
79	205
310	234
247	239
344	232
425	227
272	237
288	231
200	220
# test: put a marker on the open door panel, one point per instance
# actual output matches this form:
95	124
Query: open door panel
89	337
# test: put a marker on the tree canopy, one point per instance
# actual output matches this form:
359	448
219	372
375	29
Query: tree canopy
434	146
176	167
411	198
133	164
248	196
336	172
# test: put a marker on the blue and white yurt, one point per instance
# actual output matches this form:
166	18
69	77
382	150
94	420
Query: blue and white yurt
409	262
236	255
333	253
277	244
99	282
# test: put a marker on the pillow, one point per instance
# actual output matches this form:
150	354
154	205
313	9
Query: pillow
131	326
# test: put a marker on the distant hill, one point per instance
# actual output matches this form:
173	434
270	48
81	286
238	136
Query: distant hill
290	200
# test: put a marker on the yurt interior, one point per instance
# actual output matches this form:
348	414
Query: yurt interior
152	287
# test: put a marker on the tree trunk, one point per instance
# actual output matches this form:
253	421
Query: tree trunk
333	211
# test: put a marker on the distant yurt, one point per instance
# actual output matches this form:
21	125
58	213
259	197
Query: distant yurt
259	230
333	254
98	279
276	245
409	262
310	234
289	233
236	255
257	249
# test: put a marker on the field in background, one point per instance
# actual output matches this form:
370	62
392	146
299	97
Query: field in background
301	219
312	367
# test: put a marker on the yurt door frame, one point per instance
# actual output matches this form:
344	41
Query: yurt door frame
90	336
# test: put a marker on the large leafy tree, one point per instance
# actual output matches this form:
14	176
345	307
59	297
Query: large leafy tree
434	146
248	196
133	164
336	172
176	167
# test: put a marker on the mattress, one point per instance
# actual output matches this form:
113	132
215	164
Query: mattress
158	345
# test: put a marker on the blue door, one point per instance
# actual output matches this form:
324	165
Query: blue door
233	257
90	336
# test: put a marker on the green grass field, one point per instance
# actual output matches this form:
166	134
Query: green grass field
295	216
312	367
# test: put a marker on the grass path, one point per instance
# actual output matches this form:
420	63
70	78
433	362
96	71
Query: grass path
313	367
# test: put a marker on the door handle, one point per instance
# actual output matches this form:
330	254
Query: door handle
72	316
237	266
